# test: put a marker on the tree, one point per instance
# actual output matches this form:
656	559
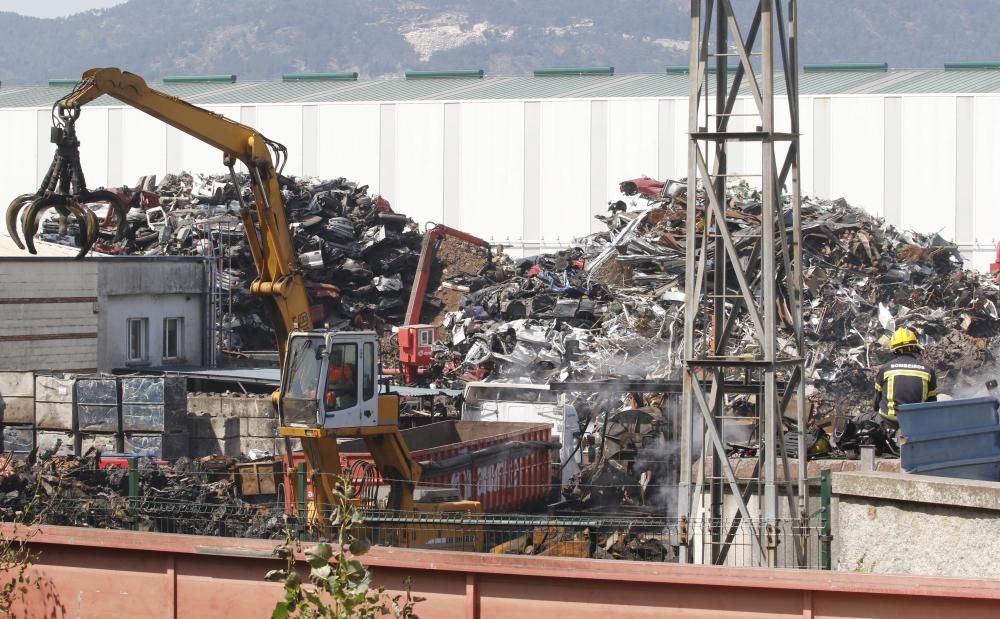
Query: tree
340	584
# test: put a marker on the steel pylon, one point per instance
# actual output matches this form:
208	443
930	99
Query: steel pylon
743	283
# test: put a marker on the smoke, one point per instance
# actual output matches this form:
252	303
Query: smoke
968	384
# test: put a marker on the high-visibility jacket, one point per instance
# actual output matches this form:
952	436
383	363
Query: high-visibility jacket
904	380
339	374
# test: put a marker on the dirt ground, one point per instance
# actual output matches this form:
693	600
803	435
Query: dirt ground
454	256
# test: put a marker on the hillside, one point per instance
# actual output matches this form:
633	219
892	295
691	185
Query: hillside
260	39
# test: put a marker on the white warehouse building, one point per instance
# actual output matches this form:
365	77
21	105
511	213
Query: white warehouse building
528	161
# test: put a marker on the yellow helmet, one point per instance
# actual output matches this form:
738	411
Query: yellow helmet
903	339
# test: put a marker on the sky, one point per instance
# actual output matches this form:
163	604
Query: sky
54	8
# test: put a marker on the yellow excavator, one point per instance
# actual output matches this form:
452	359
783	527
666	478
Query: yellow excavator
329	380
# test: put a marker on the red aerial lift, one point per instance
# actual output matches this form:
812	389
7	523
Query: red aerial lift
415	338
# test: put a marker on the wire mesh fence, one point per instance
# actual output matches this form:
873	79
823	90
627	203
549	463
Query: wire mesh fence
204	502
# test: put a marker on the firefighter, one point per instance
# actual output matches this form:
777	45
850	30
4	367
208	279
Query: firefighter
904	380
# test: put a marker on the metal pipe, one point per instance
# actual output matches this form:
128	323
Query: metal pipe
133	485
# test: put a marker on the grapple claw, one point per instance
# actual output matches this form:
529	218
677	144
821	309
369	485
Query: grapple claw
31	217
13	210
64	189
119	209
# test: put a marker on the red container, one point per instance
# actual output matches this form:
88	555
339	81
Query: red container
509	482
121	462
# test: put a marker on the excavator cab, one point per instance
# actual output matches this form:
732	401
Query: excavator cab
330	380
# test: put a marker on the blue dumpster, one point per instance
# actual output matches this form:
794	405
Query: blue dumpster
952	438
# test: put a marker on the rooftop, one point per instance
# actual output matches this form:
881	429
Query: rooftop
830	80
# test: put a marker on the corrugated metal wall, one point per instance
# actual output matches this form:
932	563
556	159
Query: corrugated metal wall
533	173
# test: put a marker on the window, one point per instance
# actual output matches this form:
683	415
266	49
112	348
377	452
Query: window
138	340
342	377
425	337
368	372
173	339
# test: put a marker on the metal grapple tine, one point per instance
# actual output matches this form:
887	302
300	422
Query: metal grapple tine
13	210
32	217
117	205
93	226
87	222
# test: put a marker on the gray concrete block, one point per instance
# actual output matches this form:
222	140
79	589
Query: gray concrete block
258	427
54	388
200	447
204	404
247	406
54	415
64	443
104	443
200	426
17	384
269	445
17	410
205	426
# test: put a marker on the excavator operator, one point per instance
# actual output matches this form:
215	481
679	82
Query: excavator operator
904	380
341	385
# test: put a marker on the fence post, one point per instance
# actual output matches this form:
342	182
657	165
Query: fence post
303	515
825	537
133	488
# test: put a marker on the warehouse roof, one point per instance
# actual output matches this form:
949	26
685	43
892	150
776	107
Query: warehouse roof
671	84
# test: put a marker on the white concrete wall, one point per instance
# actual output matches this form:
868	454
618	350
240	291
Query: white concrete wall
154	289
154	308
535	172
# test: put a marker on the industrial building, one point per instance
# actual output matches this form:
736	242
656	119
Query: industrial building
528	161
58	314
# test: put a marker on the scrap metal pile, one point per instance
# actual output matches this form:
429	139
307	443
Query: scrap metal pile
358	255
629	544
613	306
188	496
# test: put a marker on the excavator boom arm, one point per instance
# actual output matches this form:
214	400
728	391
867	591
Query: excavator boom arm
279	278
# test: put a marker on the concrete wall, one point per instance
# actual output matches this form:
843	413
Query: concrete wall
69	315
896	523
531	173
230	425
154	289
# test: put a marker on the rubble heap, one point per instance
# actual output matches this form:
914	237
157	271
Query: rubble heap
613	305
188	496
345	238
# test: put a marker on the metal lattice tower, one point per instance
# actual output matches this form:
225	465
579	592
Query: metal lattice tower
739	281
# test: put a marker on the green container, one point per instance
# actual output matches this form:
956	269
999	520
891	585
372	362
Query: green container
198	79
457	73
575	71
345	76
977	65
846	67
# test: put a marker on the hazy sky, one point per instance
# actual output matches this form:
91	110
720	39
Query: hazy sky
54	8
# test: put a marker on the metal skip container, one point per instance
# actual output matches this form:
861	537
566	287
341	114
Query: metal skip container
952	438
97	414
97	405
154	416
506	466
